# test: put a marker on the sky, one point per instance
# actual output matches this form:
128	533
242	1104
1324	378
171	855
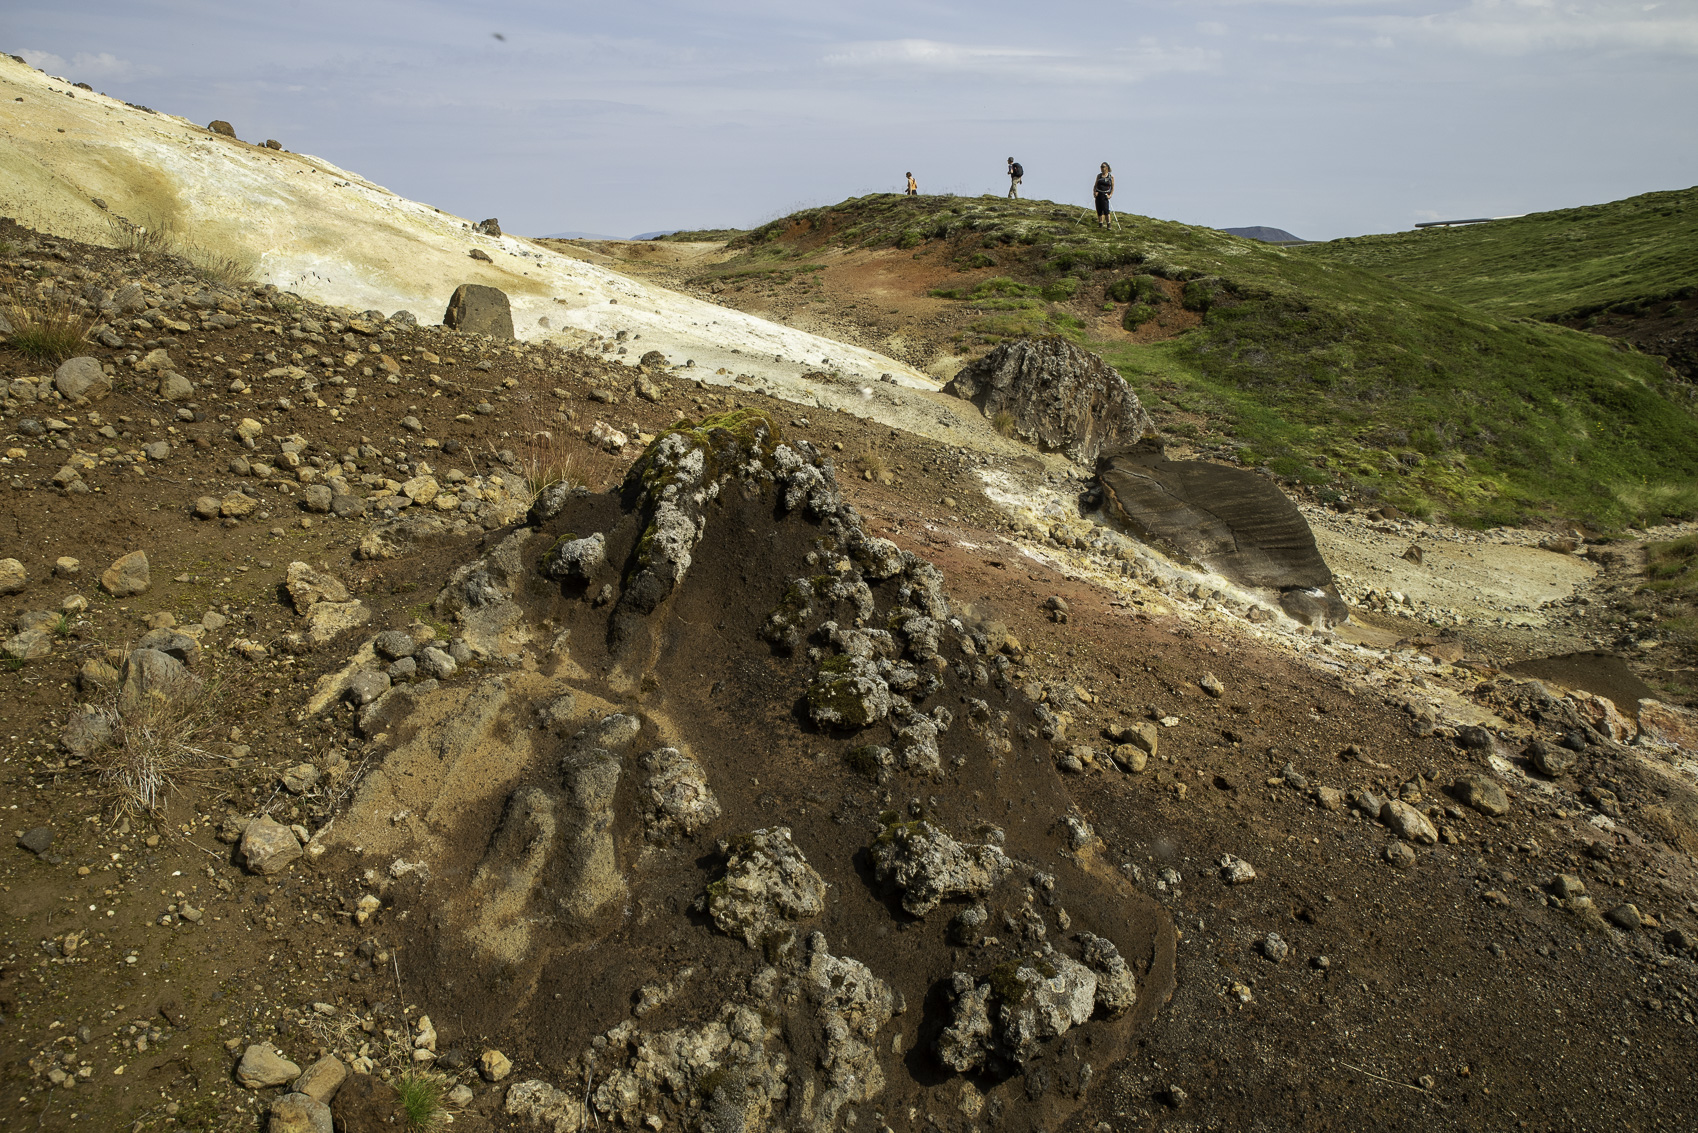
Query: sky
1326	118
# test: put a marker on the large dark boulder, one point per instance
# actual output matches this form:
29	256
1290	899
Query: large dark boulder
1061	398
477	309
1229	520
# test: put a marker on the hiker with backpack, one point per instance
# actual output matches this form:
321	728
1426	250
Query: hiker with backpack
913	186
1015	173
1103	189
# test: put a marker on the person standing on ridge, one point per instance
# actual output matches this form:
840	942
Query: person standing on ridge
913	186
1015	173
1103	189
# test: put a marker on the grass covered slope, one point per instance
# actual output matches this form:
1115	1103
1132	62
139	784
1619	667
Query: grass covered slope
1566	264
1340	377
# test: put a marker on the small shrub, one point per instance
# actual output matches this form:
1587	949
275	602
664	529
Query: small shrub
1137	315
1061	290
1136	289
909	239
52	331
875	463
980	260
1003	422
1199	295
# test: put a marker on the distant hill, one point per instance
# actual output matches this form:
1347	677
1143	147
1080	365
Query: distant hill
1570	263
581	236
656	234
1266	235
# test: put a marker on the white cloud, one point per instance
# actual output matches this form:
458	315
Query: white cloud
107	66
1123	65
43	60
84	67
1522	27
1212	27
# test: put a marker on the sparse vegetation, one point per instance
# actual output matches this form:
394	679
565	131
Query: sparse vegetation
48	330
1003	422
1137	315
1673	566
546	458
161	237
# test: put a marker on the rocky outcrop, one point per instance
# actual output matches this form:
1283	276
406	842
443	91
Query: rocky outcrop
926	865
680	663
1228	520
1059	397
767	889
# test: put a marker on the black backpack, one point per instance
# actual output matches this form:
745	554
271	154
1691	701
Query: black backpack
1018	170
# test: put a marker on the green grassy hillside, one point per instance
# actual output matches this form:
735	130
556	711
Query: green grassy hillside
1354	383
1623	256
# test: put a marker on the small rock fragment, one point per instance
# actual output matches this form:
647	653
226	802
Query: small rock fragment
1236	871
1484	794
262	1066
267	847
494	1065
127	576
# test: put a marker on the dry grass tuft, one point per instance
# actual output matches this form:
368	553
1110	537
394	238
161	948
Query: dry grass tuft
162	238
546	458
156	745
1003	422
875	466
48	330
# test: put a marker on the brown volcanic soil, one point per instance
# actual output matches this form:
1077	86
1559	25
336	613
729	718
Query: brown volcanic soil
1454	993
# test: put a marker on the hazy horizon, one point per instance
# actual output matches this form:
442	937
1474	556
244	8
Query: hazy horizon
1321	117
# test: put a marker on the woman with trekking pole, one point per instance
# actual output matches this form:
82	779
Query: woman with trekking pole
1103	190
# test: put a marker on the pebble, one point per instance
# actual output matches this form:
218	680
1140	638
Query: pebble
1400	855
1408	823
1236	871
1484	794
1551	761
322	1079
494	1065
1275	948
1210	684
127	576
262	1066
300	1113
300	778
36	839
1627	916
268	846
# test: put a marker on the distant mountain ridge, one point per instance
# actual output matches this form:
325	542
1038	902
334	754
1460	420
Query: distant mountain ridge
579	236
1266	235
